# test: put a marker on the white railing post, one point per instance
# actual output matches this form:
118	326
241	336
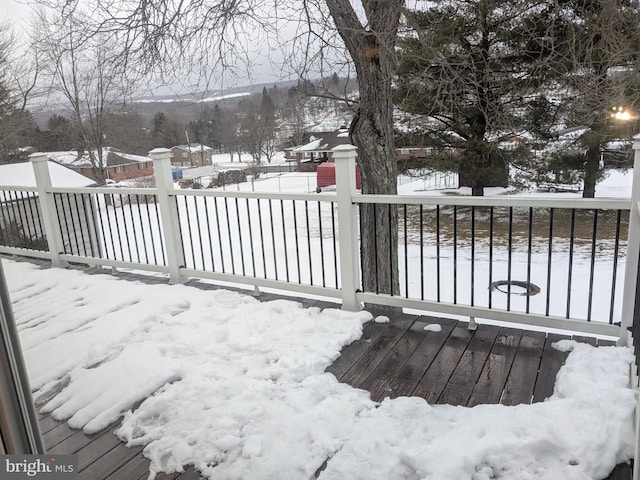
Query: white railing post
39	162
633	251
161	158
345	164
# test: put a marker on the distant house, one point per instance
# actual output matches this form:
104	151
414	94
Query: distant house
409	153
120	166
20	216
191	155
316	148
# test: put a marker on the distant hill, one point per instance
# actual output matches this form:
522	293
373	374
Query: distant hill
186	105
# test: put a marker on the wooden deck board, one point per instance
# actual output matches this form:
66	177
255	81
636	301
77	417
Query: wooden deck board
379	380
136	467
74	443
435	379
111	461
524	370
57	435
453	365
99	447
466	373
411	373
351	353
550	363
493	377
47	423
375	354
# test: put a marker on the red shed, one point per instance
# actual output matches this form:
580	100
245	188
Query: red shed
326	176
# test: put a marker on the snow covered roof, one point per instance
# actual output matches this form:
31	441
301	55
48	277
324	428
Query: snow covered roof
323	141
21	175
193	147
75	158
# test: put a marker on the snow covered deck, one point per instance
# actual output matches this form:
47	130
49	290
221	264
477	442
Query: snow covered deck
437	359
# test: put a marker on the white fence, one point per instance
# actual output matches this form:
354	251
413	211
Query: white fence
566	264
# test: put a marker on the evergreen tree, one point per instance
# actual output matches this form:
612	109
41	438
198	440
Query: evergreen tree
472	69
600	51
60	134
167	131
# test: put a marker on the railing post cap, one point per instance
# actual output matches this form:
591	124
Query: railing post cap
39	157
344	151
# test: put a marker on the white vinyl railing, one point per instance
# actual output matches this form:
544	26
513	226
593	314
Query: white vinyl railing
463	256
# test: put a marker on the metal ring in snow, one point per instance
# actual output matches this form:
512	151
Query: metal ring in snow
530	289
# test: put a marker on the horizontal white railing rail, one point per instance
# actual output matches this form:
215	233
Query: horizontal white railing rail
309	243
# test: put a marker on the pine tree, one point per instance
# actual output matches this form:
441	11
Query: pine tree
600	51
472	69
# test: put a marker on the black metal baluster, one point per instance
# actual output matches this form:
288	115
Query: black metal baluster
206	213
361	229
109	224
437	251
615	267
84	199
530	240
162	250
264	257
306	212
81	239
142	230
244	272
19	221
66	223
491	211
126	230
295	228
197	209
233	262
273	240
549	254
40	226
335	248
133	226
253	256
455	254
375	246
10	216
510	258
594	240
473	252
73	224
391	252
571	244
324	283
284	241
421	222
96	214
215	208
36	225
24	221
406	255
188	219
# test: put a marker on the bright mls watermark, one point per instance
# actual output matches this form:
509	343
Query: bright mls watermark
50	467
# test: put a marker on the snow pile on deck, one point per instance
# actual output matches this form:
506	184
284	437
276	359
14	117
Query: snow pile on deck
236	387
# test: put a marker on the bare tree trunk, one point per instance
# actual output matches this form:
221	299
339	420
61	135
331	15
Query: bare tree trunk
372	49
591	170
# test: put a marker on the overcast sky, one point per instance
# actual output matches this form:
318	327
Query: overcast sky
14	11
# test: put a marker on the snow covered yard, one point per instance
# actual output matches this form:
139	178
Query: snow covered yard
237	388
